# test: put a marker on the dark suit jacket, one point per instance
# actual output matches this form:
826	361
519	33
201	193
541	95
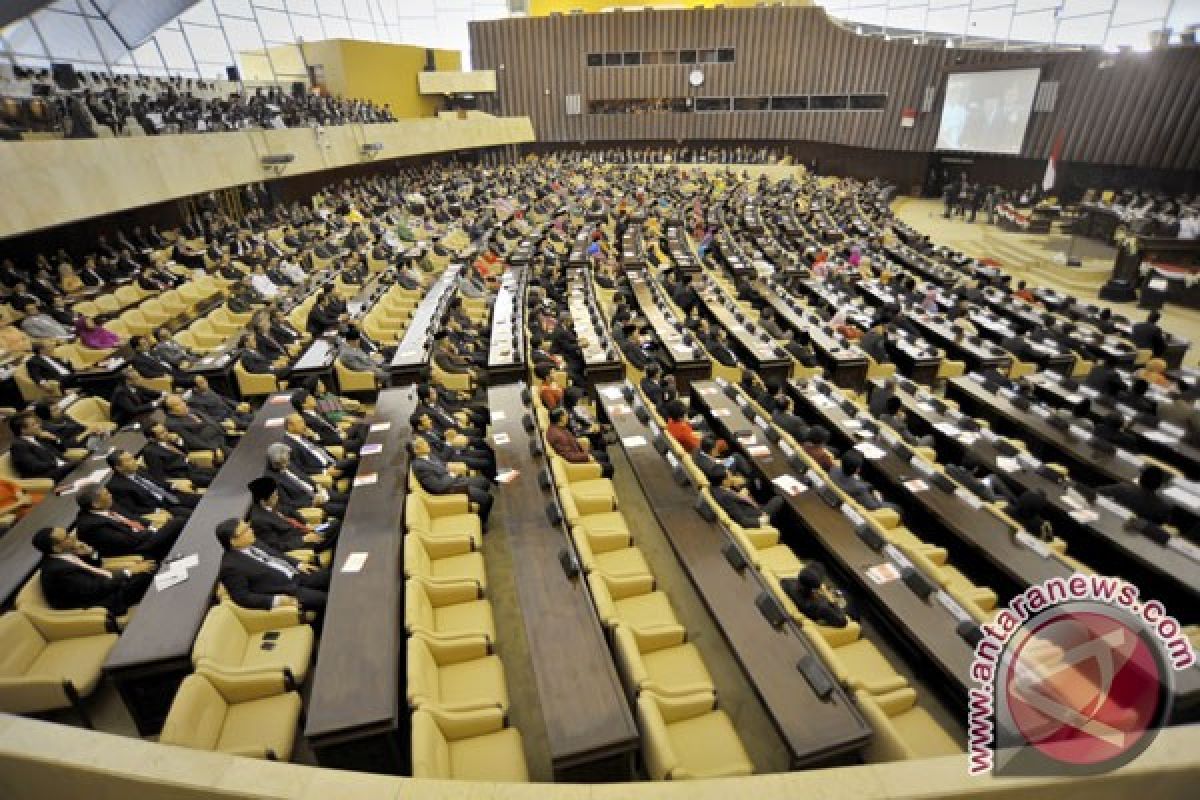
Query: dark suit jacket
67	586
132	499
111	537
302	459
273	530
330	435
252	584
34	460
292	493
150	366
129	402
199	432
790	423
164	463
1147	505
40	369
256	362
435	478
742	510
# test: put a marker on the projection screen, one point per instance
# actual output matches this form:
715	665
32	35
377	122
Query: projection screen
987	112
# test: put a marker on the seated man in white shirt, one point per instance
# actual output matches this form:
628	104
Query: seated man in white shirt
263	285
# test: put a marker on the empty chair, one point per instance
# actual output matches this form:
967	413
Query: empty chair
442	516
857	664
661	660
903	730
49	662
253	384
234	643
251	715
632	602
687	737
447	610
442	559
610	558
479	748
460	676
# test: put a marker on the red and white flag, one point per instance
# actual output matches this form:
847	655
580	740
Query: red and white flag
1052	164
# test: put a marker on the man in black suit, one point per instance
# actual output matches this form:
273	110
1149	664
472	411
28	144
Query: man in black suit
451	446
1143	498
130	402
73	576
167	460
296	489
1147	335
874	342
258	577
198	431
136	493
150	365
822	604
309	455
279	528
254	361
845	475
741	507
37	453
114	534
785	417
54	374
438	477
218	407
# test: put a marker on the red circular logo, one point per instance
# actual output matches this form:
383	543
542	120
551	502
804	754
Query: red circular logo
1083	687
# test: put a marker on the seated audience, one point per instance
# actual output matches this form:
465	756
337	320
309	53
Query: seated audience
73	576
258	577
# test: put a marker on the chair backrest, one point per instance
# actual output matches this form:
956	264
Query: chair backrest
88	410
416	515
416	558
423	684
418	611
196	717
430	750
128	295
30	390
221	640
20	644
108	304
660	756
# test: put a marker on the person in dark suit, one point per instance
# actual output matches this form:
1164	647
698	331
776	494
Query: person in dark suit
37	453
309	455
71	434
149	365
280	529
254	361
713	459
438	477
257	576
53	374
198	431
1142	498
1146	335
452	446
135	493
785	417
741	507
823	604
631	345
896	418
845	475
73	576
718	347
130	402
296	489
166	459
874	342
114	534
219	407
684	295
1029	509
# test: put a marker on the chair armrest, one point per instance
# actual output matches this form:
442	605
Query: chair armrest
256	620
122	562
685	691
593	504
837	637
582	472
244	688
445	594
442	505
41	485
897	702
879	686
762	538
650	638
454	651
19	694
201	458
251	751
182	485
75	626
629	585
677	709
440	547
457	725
95	618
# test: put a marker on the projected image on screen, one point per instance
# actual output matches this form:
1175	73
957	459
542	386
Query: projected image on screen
986	112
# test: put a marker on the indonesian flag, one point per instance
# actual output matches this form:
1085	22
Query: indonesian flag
1052	164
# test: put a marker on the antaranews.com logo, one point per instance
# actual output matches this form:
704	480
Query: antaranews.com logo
1074	677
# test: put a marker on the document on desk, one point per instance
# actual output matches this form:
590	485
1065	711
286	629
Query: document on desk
758	450
507	475
1084	515
610	392
883	573
378	427
355	562
1182	497
371	449
789	484
274	423
634	441
916	485
947	428
1008	464
366	480
870	451
501	438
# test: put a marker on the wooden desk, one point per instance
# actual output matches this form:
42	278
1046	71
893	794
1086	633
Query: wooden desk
633	249
18	557
356	713
687	362
930	625
412	351
506	345
958	513
978	354
602	360
154	653
814	730
590	728
846	363
1104	541
773	365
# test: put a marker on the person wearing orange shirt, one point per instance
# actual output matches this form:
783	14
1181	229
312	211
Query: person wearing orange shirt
680	428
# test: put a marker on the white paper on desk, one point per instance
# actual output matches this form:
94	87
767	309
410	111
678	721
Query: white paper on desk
366	480
611	392
274	423
916	485
1075	500
277	399
355	562
758	450
968	437
1084	515
169	577
380	426
852	422
1041	411
1170	428
371	449
926	407
187	562
1158	285
707	390
634	441
1036	545
970	498
1113	507
947	428
1161	437
870	451
501	438
1008	464
883	573
1182	497
789	484
507	475
1132	458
